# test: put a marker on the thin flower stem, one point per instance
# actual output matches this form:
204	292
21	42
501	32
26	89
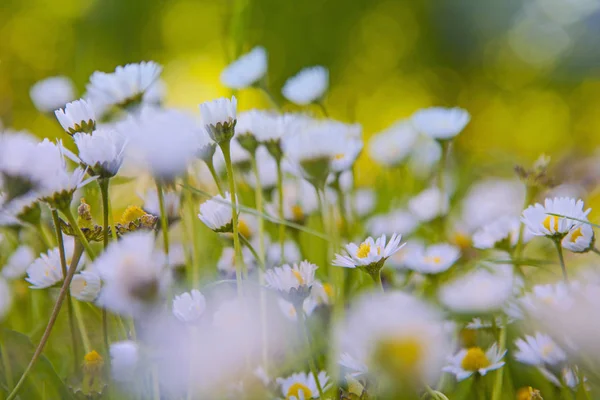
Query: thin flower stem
376	275
104	183
497	391
281	205
40	228
258	196
63	266
213	172
38	351
164	223
246	243
595	250
341	203
82	328
239	261
311	362
562	260
442	184
269	94
73	222
191	209
322	107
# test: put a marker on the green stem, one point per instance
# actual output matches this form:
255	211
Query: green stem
73	222
561	259
77	253
595	250
246	243
341	203
164	223
311	362
258	196
213	172
441	182
104	183
38	351
269	94
43	235
497	391
281	205
189	202
239	264
322	107
63	266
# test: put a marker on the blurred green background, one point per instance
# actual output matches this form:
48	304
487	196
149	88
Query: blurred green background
526	70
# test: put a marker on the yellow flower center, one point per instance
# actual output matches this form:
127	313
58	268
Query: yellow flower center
576	234
363	250
297	213
528	393
295	390
551	222
298	276
547	349
461	240
433	259
474	360
328	289
92	362
132	213
468	337
399	356
339	156
244	229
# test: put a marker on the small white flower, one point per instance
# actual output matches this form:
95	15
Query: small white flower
135	274
307	86
579	239
369	252
124	358
17	264
102	151
393	145
152	206
297	278
246	70
5	298
226	263
355	367
502	231
538	221
216	213
77	116
441	123
565	376
559	295
302	385
125	86
46	271
51	93
478	291
189	307
540	350
474	360
429	204
86	286
433	259
219	117
400	221
291	253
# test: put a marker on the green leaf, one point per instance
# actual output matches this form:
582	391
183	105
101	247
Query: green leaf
42	382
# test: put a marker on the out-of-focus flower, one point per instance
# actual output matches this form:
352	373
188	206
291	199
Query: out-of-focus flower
77	116
86	286
102	151
580	239
267	170
52	93
441	123
189	306
124	358
502	233
126	86
134	273
558	295
369	253
307	86
393	145
432	259
475	361
246	70
172	203
538	221
291	253
540	351
226	263
302	385
354	366
399	221
219	117
299	201
293	283
216	213
429	204
16	265
46	270
478	291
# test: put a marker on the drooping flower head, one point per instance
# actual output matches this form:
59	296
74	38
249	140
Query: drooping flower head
441	123
219	117
247	70
216	213
308	86
77	116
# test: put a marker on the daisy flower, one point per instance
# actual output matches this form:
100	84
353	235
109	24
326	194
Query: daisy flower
135	274
46	271
559	295
189	306
432	259
17	264
429	204
308	86
216	213
293	283
440	123
502	232
369	254
102	151
226	263
124	358
580	239
538	221
52	93
219	117
246	70
17	168
302	385
539	350
77	116
86	286
393	145
475	361
478	291
124	87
